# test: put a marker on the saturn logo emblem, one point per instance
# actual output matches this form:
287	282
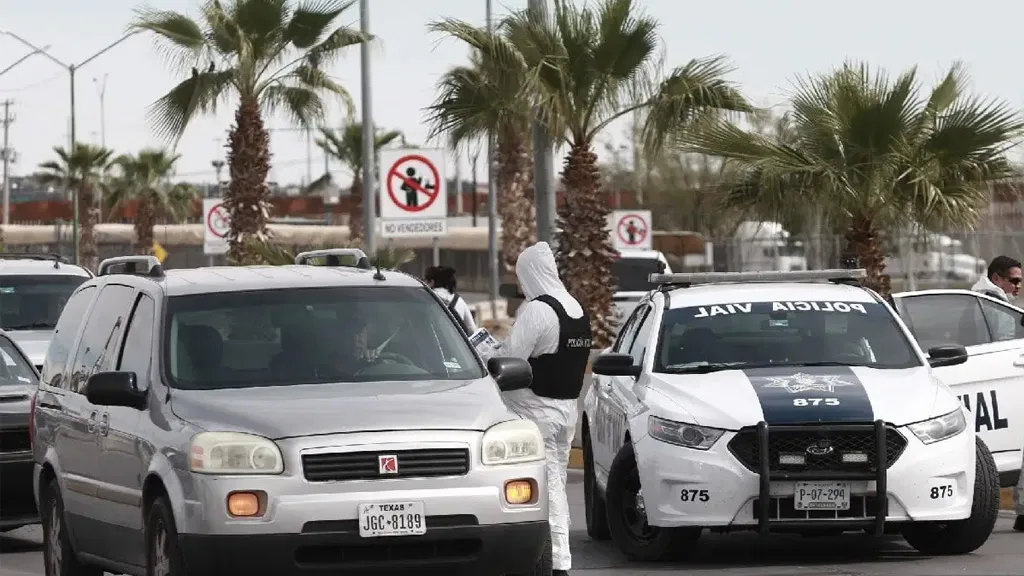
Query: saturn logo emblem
822	448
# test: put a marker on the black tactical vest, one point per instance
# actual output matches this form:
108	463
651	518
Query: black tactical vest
560	374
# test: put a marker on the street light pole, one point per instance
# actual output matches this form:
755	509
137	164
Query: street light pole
369	173
71	68
23	58
492	206
543	175
102	86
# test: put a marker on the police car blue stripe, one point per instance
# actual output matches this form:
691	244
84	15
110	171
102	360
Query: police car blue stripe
810	395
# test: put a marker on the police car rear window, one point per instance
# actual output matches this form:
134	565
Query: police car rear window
313	336
784	333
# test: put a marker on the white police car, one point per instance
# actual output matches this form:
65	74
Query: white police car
778	401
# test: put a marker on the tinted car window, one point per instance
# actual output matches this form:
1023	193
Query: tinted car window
30	302
749	334
631	274
639	345
64	336
311	336
97	350
944	319
136	356
14	368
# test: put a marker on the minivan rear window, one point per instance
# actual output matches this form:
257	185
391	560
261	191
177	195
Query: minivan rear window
30	302
311	336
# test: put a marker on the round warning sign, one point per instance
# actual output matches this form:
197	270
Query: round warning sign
218	221
632	229
413	183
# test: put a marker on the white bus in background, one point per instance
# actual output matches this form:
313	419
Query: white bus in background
762	246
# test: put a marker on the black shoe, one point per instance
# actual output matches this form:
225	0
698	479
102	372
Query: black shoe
1019	524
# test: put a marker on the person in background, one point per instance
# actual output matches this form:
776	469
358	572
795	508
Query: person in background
442	280
552	332
1003	279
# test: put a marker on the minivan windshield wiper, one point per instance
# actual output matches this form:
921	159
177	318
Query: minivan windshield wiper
701	367
31	326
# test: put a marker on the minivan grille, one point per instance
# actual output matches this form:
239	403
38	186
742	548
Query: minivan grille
422	463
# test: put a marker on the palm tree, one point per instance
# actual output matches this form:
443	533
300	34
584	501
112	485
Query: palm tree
272	57
584	69
81	172
346	146
145	178
474	102
877	152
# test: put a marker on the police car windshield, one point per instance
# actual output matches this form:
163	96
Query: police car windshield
29	302
14	369
313	336
740	335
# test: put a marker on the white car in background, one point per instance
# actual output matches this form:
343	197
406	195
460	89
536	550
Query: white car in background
632	271
779	402
991	382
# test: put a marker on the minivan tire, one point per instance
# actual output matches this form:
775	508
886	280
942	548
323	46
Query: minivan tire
162	548
59	557
967	535
545	561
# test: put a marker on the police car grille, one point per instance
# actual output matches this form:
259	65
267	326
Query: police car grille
744	447
784	508
15	440
424	463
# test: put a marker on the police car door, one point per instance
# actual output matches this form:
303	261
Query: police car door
602	434
991	383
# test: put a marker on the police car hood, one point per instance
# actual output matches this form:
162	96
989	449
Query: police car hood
732	399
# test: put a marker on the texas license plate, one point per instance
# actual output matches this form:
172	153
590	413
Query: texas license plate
392	519
821	495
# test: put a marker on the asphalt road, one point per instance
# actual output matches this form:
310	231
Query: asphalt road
741	554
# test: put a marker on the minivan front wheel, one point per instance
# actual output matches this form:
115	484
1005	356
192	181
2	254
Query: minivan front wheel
58	556
163	556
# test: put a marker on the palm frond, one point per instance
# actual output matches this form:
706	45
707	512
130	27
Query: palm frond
200	93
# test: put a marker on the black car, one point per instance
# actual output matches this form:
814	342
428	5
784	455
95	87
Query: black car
18	381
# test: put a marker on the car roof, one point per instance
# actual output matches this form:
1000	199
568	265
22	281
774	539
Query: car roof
241	278
641	254
29	267
742	292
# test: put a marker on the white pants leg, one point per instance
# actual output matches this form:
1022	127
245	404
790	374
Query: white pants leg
557	422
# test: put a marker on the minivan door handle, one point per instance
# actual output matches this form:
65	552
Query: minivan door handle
92	421
104	424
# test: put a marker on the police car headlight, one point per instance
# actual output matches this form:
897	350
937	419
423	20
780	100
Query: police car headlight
234	453
512	442
941	428
680	434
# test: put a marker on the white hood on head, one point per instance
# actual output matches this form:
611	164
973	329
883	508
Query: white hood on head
985	286
537	271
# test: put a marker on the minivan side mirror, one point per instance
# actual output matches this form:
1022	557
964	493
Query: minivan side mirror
949	355
509	290
510	373
115	389
614	364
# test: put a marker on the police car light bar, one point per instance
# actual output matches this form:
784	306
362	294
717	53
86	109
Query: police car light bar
766	276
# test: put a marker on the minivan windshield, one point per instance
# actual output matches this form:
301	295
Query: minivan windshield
31	302
14	369
741	335
313	336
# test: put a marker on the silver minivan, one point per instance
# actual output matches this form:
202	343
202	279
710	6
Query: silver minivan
279	420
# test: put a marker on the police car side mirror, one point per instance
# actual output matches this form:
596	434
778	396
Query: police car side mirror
510	373
951	355
614	364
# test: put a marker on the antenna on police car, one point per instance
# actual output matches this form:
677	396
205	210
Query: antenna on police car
377	275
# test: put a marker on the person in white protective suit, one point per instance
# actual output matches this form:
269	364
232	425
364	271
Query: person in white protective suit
552	332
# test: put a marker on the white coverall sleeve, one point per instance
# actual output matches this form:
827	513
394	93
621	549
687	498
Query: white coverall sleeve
532	322
464	312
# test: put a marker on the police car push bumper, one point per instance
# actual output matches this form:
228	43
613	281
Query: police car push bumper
793	471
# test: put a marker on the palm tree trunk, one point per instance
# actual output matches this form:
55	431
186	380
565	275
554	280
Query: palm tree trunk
145	218
89	217
863	241
585	254
355	212
517	212
247	198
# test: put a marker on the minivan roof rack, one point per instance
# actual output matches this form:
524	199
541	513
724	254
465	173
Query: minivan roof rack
139	265
57	258
333	257
685	280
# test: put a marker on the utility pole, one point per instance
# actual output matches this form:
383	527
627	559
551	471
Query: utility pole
474	156
102	88
458	183
7	154
543	169
218	165
492	205
369	173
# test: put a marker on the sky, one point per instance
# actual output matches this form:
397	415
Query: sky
770	42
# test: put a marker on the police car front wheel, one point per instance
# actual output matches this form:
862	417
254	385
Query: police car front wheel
627	517
967	535
596	511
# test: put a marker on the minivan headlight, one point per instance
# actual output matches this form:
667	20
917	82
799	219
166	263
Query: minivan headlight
681	434
512	442
941	428
234	453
